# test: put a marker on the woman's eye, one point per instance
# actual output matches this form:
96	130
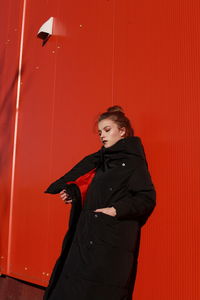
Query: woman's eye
107	130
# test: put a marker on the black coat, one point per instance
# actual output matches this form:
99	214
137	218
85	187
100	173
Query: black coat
98	260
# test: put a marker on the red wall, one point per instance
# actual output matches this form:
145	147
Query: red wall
142	55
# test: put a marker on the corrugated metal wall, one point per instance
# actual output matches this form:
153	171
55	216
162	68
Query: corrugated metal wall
142	55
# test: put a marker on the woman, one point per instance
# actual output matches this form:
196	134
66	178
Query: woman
98	260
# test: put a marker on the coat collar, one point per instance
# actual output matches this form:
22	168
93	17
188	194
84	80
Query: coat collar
129	145
126	147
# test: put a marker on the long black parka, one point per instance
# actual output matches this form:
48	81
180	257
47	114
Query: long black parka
98	260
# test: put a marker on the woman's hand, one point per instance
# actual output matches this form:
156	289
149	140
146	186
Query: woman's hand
111	211
65	197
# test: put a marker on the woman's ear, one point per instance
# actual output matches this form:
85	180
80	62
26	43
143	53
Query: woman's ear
122	131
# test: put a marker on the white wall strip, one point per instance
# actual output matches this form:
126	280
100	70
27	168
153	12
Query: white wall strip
15	136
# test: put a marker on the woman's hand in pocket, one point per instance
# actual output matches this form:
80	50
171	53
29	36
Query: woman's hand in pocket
65	197
111	211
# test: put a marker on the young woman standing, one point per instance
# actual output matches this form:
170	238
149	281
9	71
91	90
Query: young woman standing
98	260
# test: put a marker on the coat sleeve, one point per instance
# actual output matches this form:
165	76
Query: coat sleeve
141	197
84	166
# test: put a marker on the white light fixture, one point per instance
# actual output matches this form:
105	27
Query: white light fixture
46	30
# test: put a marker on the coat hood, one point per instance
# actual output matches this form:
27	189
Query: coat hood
129	146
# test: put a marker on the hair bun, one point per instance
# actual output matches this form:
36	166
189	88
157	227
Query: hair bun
115	108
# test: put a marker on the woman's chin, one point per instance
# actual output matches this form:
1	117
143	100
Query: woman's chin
108	145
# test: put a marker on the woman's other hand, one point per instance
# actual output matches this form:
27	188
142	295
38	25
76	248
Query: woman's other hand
65	197
111	211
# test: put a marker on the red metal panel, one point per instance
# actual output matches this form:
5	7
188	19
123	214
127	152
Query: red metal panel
10	24
61	84
28	252
157	72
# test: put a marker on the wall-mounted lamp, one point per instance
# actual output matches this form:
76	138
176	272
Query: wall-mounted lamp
46	30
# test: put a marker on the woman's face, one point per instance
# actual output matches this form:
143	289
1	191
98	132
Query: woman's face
109	132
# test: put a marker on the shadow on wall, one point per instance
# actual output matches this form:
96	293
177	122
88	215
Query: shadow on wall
7	117
7	113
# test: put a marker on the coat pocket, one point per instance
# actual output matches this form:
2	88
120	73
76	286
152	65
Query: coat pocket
107	218
122	234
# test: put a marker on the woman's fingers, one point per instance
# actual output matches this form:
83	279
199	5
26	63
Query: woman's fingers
65	196
111	211
67	201
63	193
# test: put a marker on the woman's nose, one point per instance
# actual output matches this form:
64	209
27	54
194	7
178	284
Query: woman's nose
102	136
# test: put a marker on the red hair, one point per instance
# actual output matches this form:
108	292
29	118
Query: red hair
117	115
